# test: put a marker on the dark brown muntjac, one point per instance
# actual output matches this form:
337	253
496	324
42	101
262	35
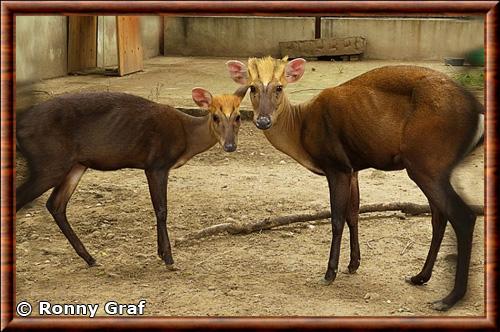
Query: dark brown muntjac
390	118
62	137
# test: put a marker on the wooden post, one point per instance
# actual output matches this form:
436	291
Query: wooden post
128	38
82	43
317	27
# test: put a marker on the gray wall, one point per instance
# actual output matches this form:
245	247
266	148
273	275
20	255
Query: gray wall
42	44
232	36
41	41
409	38
152	35
41	47
387	38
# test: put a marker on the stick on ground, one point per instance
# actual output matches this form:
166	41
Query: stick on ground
268	223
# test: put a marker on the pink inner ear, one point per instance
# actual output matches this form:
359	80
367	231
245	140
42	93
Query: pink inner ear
202	97
294	70
237	71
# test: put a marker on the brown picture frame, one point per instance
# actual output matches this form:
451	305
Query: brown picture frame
10	9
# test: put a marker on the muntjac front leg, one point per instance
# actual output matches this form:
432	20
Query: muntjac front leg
340	192
157	181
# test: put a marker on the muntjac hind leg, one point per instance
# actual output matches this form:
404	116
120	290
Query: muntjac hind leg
438	228
57	203
352	221
442	195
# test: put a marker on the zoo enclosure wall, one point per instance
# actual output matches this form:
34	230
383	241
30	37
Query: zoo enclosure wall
387	38
41	41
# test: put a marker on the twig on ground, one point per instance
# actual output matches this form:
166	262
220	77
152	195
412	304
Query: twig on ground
50	93
268	223
408	245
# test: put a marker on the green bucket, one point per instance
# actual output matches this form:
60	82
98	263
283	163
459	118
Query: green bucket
475	57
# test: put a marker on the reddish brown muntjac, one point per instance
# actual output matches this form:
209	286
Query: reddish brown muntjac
390	118
62	137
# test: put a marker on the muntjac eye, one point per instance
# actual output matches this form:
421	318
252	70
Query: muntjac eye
215	118
252	89
279	88
238	118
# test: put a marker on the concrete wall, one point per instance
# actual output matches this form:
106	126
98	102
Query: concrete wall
41	47
152	36
41	41
387	38
42	44
409	38
232	36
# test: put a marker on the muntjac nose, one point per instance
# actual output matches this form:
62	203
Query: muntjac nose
263	122
229	147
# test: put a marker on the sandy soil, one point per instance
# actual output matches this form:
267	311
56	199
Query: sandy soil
274	272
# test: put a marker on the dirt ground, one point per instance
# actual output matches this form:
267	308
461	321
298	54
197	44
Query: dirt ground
271	273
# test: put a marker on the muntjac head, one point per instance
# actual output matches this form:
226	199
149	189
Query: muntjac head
224	119
267	78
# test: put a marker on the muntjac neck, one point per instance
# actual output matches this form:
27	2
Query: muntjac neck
287	125
199	137
286	134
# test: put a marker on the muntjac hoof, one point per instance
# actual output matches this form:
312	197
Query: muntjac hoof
168	259
414	280
440	306
353	267
325	282
171	267
329	277
93	264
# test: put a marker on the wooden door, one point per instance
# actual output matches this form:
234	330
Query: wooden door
82	43
128	37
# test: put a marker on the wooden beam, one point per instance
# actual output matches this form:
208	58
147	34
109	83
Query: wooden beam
128	37
82	43
317	27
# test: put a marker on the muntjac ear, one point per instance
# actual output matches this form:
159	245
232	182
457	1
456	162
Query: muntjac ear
241	92
202	97
237	71
294	70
